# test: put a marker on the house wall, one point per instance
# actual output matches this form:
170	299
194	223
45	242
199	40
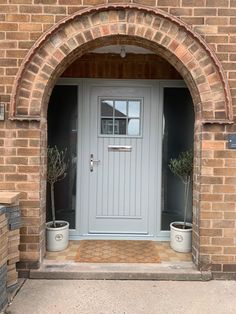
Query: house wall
23	139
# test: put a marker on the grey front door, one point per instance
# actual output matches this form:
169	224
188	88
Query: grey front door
120	158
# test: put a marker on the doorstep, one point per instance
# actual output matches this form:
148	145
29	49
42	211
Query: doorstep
176	271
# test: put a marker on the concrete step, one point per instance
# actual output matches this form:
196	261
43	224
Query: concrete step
184	271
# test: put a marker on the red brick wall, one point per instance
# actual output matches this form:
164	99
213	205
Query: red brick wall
23	141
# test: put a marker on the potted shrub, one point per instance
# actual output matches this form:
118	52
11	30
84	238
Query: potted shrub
57	231
181	231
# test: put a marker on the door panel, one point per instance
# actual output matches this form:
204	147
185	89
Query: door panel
120	195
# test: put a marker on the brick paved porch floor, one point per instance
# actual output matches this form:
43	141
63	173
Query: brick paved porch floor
165	253
173	266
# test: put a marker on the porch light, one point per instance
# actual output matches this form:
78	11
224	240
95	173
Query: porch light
122	52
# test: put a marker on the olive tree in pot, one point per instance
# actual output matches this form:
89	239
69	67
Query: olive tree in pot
181	232
57	231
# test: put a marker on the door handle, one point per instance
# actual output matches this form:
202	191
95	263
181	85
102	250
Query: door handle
92	162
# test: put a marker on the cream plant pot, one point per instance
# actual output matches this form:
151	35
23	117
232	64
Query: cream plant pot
57	238
181	239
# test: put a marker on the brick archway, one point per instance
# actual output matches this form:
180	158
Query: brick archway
99	26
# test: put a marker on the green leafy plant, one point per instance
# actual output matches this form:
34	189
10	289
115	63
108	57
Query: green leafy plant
56	171
182	167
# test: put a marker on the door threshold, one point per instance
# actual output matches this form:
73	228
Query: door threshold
164	236
175	271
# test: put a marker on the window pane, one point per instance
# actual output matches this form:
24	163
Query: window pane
134	127
62	132
134	108
120	126
107	108
106	126
178	124
120	117
120	108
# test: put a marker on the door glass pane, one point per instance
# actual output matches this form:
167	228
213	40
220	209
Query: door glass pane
134	109
120	108
62	132
107	108
115	118
178	124
106	126
120	126
134	127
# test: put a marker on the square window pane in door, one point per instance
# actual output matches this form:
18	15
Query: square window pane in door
107	108
134	127
134	109
120	108
106	126
120	126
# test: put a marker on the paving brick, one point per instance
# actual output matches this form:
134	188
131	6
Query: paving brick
9	243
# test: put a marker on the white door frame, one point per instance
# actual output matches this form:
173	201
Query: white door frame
159	235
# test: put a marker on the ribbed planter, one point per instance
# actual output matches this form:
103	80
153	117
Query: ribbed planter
57	239
181	239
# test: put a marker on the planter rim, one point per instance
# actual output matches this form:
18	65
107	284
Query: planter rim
59	228
181	223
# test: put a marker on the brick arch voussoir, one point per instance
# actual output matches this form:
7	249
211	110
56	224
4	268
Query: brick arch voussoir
165	35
